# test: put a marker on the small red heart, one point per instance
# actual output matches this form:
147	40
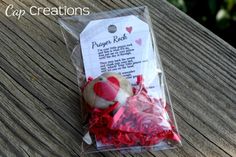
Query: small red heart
139	41
129	29
107	90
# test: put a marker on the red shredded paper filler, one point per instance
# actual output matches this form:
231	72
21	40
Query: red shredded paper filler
140	122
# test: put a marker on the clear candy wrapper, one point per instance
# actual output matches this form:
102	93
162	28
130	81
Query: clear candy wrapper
126	104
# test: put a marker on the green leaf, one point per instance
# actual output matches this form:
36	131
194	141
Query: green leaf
212	6
222	14
180	4
230	4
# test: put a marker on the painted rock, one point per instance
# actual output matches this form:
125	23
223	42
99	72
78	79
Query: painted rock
107	89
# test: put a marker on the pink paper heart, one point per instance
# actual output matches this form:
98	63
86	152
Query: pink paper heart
138	41
129	29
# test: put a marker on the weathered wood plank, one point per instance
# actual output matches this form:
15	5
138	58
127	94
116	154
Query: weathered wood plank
40	115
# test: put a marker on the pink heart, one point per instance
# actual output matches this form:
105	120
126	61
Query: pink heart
138	41
129	29
107	90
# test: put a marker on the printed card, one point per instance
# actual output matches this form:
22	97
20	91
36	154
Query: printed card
122	45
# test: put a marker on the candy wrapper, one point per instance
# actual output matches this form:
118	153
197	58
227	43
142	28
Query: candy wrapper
125	101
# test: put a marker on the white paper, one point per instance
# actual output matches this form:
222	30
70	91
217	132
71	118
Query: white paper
128	51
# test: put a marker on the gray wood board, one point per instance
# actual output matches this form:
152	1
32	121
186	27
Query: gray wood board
39	97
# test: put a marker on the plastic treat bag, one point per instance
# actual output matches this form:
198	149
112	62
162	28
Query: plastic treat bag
126	104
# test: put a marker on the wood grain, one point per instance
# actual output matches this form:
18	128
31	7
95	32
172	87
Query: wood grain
39	97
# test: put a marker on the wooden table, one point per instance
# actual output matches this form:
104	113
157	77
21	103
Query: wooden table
39	98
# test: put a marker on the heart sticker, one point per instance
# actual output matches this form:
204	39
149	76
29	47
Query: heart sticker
138	41
107	90
129	29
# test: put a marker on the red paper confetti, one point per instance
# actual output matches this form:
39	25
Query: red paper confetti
140	122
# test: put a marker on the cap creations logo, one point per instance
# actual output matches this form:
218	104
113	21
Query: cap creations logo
11	11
